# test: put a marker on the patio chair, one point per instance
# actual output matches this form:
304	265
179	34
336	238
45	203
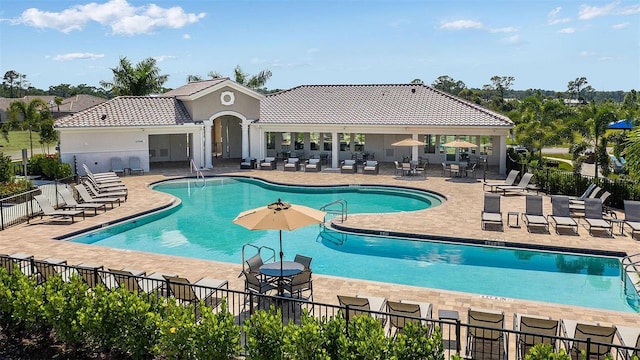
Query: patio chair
454	170
421	168
268	163
398	167
253	285
593	216
486	338
86	197
579	207
630	337
632	215
348	167
313	165
472	170
130	280
71	202
304	260
561	214
522	185
491	213
116	165
532	330
509	181
363	305
585	194
108	174
406	311
298	285
105	192
291	164
135	166
49	210
594	192
371	167
253	265
248	163
581	331
205	289
533	215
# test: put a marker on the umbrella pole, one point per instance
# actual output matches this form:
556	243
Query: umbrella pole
280	290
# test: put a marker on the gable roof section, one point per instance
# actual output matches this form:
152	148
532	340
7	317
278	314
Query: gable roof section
198	89
403	104
129	111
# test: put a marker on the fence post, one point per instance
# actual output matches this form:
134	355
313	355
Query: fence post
588	347
346	316
458	326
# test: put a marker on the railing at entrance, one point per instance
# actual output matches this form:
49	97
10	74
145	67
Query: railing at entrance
193	167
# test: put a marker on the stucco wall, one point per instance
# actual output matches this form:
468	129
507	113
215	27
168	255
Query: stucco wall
204	107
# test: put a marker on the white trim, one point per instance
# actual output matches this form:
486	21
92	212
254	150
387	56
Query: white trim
232	84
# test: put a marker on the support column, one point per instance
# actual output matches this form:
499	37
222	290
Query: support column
414	149
245	138
207	144
503	155
335	150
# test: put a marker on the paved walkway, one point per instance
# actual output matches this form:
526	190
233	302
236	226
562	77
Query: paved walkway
458	217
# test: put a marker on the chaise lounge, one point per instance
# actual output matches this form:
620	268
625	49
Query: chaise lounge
561	214
291	164
371	167
268	163
313	165
348	167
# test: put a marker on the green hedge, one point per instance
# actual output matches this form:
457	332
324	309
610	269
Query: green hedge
69	318
48	167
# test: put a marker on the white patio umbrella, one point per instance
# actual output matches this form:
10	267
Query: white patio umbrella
459	144
279	216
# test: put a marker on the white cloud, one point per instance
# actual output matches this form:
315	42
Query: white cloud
568	30
512	40
630	10
553	18
186	36
587	12
77	56
312	51
585	53
257	60
509	29
119	15
461	25
161	58
620	26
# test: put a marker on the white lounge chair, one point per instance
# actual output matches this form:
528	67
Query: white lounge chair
628	336
593	216
509	181
71	202
49	210
86	197
632	215
533	215
522	185
491	213
585	194
561	214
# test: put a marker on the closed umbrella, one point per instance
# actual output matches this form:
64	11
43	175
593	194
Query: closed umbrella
279	216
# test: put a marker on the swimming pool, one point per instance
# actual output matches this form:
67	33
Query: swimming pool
201	227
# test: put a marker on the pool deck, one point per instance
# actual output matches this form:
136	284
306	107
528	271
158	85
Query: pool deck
459	217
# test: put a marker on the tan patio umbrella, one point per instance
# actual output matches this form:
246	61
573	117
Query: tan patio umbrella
279	216
459	144
408	142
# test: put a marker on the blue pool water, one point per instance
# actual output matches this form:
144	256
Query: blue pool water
201	227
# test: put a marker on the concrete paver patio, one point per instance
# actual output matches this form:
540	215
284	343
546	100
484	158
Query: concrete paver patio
459	216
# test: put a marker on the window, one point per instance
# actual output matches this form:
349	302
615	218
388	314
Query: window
345	142
286	141
299	143
430	144
326	140
314	139
271	140
486	145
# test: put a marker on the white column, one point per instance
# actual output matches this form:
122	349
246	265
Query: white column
245	138
414	149
207	144
335	150
503	155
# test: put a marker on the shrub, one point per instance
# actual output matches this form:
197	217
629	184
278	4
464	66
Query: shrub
546	352
418	342
176	331
334	330
305	341
264	332
216	336
64	301
48	167
6	168
366	338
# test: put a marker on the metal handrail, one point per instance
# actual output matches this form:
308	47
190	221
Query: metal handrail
259	252
625	270
193	167
343	209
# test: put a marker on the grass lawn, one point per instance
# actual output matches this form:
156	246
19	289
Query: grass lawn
19	140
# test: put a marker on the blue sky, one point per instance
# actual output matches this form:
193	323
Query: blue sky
543	44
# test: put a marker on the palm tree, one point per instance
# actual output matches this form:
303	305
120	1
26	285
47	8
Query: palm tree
28	116
143	79
252	81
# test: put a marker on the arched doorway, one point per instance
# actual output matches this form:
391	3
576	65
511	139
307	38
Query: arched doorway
226	135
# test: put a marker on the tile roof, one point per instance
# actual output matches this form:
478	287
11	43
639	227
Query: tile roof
194	87
129	111
402	104
78	103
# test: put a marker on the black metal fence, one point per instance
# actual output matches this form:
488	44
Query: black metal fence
483	340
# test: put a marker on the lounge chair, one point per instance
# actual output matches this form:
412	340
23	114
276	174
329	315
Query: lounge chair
630	337
579	207
49	210
363	305
20	260
313	165
105	193
561	214
482	341
71	202
581	331
371	167
108	174
509	181
522	185
533	215
135	166
86	197
130	280
50	267
291	164
491	213
593	216
269	163
406	311
632	215
532	330
92	274
585	194
348	167
205	289
116	165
